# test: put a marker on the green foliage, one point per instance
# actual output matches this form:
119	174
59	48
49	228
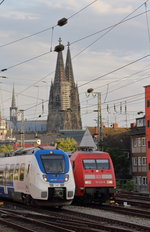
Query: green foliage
67	144
129	186
121	163
6	148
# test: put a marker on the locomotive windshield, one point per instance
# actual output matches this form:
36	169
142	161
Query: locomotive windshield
53	164
96	164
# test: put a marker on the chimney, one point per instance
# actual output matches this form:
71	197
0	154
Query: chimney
115	125
132	125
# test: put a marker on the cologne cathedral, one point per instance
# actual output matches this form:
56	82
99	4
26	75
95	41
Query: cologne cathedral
64	105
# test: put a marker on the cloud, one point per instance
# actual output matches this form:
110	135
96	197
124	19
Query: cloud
18	15
68	4
106	8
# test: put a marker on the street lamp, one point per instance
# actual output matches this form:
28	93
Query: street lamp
99	121
4	77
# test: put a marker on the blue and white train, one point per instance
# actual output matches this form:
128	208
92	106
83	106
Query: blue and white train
39	175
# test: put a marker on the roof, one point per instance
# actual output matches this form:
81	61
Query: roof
87	140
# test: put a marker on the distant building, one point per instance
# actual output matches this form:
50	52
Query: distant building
147	123
13	111
64	105
138	153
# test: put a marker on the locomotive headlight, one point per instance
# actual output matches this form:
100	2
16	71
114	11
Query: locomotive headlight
88	182
45	178
109	182
66	177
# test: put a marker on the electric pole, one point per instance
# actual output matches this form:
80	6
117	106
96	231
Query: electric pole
99	118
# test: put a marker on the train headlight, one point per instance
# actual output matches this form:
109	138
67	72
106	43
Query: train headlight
87	181
109	182
45	178
66	177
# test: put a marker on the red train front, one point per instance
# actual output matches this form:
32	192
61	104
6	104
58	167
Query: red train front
94	176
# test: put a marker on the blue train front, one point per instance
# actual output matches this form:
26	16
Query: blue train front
41	175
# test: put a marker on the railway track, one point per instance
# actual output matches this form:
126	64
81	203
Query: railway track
134	199
67	220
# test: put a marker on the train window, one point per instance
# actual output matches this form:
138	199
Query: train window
1	175
96	164
7	172
11	172
103	164
28	169
22	169
89	163
53	163
16	172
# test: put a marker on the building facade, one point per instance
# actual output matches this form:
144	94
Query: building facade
64	105
139	159
147	123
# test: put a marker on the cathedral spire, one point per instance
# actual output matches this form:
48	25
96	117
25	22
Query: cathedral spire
68	67
60	71
13	103
13	110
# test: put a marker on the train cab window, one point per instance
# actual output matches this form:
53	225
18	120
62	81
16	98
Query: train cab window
53	163
89	163
103	164
73	165
96	164
16	172
22	169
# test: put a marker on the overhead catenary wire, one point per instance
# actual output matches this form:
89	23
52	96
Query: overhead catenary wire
109	29
46	29
147	23
2	2
115	70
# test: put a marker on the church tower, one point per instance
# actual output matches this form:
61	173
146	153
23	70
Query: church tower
13	110
64	105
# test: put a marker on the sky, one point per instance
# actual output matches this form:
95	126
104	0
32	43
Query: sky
110	49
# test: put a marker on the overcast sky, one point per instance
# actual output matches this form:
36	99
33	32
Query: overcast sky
110	47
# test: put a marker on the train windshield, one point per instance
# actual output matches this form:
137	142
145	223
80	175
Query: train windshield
96	164
53	164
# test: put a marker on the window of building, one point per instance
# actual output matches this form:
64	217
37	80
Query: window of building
135	161
139	142
143	160
148	103
144	180
148	123
138	180
135	142
143	141
139	161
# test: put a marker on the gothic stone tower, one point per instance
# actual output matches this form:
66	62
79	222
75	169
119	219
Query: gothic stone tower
64	105
13	110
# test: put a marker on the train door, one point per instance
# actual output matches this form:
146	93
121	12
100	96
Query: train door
5	179
27	179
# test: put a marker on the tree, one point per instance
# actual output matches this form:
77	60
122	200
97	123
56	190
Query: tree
6	148
121	163
67	144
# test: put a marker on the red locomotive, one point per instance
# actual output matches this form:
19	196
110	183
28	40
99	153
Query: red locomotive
94	176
